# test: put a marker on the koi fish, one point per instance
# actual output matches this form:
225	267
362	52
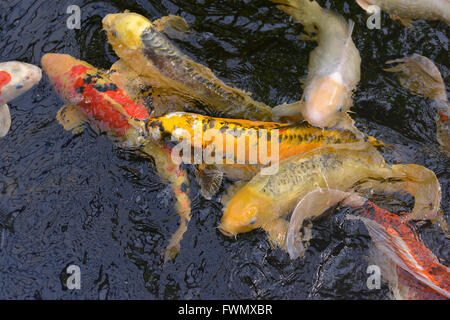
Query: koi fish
265	200
238	148
418	268
421	76
15	79
146	50
407	10
91	97
333	70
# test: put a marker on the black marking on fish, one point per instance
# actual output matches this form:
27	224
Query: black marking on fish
105	87
80	90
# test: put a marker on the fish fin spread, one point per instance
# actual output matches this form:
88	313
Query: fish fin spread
309	13
363	4
419	75
173	26
407	22
209	180
5	120
277	230
423	184
393	246
310	206
71	119
347	123
291	112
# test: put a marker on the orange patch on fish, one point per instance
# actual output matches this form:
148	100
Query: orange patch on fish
5	78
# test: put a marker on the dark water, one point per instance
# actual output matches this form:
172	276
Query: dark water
81	200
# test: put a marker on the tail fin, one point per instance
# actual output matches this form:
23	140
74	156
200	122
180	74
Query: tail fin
394	245
423	184
420	75
307	12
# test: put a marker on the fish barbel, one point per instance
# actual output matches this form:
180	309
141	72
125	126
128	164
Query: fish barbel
91	97
139	43
265	200
407	10
15	79
392	234
333	69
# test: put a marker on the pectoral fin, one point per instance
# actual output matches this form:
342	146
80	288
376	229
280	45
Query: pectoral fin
209	180
288	112
347	123
277	230
5	120
71	119
174	27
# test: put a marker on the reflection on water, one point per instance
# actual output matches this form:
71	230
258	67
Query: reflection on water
81	200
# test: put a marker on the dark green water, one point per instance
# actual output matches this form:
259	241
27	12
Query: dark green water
81	200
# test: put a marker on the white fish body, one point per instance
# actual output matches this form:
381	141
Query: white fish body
334	65
406	10
15	79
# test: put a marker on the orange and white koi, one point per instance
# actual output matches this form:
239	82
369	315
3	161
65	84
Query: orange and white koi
15	79
419	272
91	97
333	70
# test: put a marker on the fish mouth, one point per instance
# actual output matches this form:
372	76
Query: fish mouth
226	233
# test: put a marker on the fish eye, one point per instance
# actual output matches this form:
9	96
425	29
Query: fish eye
339	108
114	34
19	86
253	221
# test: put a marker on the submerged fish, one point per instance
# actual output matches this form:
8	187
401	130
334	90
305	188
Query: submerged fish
392	235
407	10
421	76
265	200
333	70
15	79
145	49
91	97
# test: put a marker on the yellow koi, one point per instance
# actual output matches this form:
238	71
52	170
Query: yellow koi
150	54
265	200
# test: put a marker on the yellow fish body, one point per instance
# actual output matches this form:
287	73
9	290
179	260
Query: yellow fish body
148	52
265	200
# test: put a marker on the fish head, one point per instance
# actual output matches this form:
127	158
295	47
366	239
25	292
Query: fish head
325	100
124	30
16	78
66	73
246	210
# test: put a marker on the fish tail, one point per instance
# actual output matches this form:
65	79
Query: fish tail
307	12
401	244
423	184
